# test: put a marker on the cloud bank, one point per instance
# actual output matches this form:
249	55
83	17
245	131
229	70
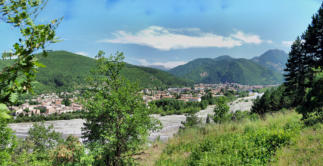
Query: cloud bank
169	39
168	65
287	43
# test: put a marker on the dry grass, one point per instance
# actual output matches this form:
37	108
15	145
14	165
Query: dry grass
150	154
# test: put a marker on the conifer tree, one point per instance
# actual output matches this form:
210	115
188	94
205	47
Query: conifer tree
296	69
313	43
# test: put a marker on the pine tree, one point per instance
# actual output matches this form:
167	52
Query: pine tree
313	43
296	69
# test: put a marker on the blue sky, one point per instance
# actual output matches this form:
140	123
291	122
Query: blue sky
173	32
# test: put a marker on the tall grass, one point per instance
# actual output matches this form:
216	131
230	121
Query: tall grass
307	149
248	142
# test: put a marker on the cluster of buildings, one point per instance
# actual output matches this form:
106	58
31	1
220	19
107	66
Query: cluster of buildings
47	104
197	91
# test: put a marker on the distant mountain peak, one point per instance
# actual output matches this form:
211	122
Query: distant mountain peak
223	57
273	59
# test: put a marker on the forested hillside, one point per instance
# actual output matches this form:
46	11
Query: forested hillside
226	69
68	71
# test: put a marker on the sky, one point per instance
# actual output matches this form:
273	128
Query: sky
173	32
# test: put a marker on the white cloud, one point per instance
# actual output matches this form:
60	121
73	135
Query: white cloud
269	41
167	39
82	53
247	38
287	43
168	65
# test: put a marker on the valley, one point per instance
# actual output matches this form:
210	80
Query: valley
170	123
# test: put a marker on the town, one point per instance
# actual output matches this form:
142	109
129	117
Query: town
47	104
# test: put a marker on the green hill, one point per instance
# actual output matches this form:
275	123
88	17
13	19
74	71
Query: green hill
67	71
226	69
272	59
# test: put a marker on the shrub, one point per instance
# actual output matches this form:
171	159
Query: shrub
191	120
220	111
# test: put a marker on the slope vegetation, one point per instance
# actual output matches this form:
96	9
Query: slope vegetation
226	69
68	71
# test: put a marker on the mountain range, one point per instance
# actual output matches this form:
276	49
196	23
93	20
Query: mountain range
265	69
67	71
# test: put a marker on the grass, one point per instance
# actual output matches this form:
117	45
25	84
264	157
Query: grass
234	143
150	154
307	149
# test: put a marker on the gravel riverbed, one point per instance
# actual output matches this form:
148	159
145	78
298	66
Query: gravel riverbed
171	123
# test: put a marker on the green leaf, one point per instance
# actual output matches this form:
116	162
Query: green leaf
13	97
3	112
39	64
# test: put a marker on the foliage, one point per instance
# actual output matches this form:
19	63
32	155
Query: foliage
191	121
312	108
169	106
39	118
307	149
234	143
71	152
66	101
43	138
7	140
227	69
273	100
221	110
304	75
117	120
65	72
18	77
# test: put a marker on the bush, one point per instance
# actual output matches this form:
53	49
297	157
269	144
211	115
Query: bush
273	100
256	146
173	106
221	110
312	108
191	121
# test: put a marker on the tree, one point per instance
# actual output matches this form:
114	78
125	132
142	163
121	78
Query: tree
17	78
43	138
71	152
313	40
220	110
296	68
117	120
191	121
66	101
7	139
312	108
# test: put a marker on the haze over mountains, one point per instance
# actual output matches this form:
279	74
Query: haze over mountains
65	70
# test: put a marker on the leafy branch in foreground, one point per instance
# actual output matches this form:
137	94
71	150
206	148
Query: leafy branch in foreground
18	78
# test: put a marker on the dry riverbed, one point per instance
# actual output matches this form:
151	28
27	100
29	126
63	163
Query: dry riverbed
171	123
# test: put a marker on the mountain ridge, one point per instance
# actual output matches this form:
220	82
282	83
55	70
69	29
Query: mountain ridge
224	69
273	59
